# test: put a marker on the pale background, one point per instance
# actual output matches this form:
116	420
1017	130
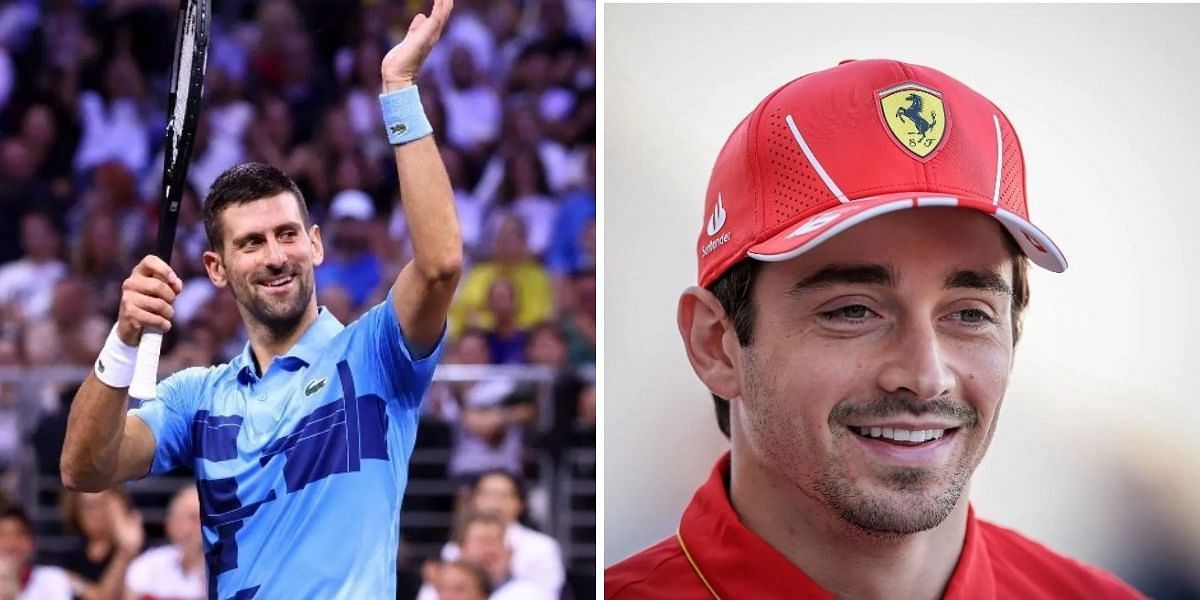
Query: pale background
1101	421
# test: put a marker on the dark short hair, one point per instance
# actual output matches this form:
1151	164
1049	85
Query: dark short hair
242	184
18	514
518	485
734	290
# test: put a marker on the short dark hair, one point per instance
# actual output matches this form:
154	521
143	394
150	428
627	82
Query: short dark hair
241	184
518	484
734	290
18	514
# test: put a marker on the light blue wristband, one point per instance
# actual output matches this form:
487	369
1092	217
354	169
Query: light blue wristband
403	116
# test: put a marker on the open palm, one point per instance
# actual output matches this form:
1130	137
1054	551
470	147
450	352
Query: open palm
401	63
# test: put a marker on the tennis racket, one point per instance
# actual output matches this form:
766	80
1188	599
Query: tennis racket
183	111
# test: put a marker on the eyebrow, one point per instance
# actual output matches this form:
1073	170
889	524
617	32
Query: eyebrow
986	281
841	274
883	275
245	237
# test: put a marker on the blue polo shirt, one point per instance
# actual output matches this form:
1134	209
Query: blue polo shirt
300	471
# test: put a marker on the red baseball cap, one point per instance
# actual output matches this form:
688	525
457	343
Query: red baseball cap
834	148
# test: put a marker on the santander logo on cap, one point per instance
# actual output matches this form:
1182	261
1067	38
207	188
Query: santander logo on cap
717	220
834	148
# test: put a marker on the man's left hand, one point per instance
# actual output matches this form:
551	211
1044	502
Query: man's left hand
400	65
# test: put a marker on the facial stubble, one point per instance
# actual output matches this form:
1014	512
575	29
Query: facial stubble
282	316
886	502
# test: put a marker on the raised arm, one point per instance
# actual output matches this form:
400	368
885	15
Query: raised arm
425	286
104	445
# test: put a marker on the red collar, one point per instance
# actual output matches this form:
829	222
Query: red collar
735	563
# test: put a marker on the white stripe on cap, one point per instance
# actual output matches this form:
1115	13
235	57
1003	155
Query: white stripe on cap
849	222
812	160
937	201
999	161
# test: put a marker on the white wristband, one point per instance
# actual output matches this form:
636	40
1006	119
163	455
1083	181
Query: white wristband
114	367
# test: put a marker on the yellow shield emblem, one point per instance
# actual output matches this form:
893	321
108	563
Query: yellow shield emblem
916	117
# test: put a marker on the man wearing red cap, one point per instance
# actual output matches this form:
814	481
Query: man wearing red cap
856	328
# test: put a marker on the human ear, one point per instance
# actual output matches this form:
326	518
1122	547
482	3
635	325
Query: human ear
215	267
710	341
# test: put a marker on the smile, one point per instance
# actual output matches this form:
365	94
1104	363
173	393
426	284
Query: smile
911	445
919	436
278	282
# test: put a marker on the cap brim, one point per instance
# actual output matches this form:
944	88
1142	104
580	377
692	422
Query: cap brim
813	231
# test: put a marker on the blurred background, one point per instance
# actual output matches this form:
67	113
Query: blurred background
1096	454
510	91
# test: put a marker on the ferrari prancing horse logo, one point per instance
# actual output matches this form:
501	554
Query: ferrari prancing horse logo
916	117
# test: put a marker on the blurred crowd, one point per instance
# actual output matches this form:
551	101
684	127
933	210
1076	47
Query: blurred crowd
510	91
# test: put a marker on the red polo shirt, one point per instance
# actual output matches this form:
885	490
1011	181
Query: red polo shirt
714	556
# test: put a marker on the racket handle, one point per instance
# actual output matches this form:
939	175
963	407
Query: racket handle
145	370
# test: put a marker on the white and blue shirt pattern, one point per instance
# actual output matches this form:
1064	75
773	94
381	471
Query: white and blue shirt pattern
301	471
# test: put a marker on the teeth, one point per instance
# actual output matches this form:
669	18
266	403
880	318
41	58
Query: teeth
902	435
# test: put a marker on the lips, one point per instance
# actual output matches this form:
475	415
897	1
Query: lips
915	447
277	282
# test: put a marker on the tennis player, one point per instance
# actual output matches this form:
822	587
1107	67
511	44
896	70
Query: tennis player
300	444
863	268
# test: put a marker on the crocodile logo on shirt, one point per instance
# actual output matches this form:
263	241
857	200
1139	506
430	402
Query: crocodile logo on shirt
315	386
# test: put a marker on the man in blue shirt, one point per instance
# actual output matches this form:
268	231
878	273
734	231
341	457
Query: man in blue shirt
300	444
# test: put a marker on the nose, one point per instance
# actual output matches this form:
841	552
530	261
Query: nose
917	364
275	256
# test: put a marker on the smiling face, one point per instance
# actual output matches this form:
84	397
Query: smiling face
267	258
879	360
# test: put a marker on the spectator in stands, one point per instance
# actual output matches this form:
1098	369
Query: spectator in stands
481	540
100	256
11	410
361	102
526	192
489	432
221	318
472	106
578	317
194	346
28	283
350	262
270	138
23	190
72	332
572	246
536	557
511	259
115	119
174	571
32	581
461	580
110	537
487	418
507	338
574	417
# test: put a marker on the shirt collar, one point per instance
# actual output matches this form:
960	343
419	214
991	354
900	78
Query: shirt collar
303	353
735	563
